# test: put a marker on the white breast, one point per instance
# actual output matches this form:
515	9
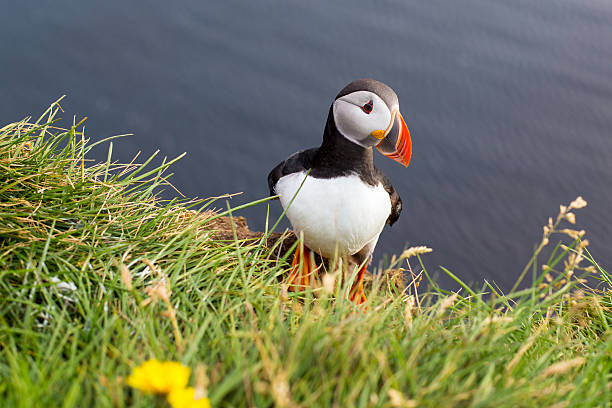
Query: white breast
342	213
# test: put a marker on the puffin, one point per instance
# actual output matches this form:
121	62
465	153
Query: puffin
336	200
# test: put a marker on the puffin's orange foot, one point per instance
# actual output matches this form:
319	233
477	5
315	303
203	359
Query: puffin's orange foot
357	295
303	270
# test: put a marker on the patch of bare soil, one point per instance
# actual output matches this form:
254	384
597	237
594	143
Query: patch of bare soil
224	228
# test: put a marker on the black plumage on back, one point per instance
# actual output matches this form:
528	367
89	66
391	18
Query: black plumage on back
300	161
396	201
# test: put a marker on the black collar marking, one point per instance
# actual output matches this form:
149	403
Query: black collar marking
339	157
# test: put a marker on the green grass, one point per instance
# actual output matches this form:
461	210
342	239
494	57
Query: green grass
102	228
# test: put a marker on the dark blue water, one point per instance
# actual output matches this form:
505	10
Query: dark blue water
509	103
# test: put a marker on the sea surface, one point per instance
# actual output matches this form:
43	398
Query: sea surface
509	103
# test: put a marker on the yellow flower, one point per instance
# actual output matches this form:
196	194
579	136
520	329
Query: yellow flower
185	398
157	377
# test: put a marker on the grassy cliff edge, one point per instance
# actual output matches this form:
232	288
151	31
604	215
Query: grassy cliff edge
98	274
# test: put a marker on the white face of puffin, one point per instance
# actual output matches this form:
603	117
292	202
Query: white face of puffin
360	113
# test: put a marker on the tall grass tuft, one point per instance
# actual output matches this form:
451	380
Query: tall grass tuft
98	274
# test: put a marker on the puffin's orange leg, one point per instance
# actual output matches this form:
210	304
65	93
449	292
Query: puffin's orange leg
294	276
357	295
303	270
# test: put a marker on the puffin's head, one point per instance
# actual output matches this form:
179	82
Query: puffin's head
366	112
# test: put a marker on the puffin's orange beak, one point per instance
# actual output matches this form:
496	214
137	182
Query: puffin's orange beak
396	143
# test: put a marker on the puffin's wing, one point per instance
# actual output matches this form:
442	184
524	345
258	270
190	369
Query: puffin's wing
396	201
300	161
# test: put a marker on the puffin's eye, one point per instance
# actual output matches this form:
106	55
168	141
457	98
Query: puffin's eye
367	108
